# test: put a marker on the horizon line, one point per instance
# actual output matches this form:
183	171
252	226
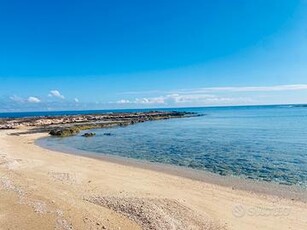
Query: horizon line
159	108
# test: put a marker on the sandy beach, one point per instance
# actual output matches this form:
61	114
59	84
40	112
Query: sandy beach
44	189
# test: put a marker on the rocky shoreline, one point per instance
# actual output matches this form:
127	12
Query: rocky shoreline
73	124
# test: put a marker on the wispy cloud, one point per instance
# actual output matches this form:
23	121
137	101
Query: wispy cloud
17	99
123	101
206	96
55	93
144	100
186	99
294	87
210	95
249	88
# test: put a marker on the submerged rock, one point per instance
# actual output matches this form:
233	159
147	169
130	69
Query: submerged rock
108	134
88	134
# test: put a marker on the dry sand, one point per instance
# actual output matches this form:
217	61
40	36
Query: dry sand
44	189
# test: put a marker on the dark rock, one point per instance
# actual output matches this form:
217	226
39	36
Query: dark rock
64	132
108	134
88	134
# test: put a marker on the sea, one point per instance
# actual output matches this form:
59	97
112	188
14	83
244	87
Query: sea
263	143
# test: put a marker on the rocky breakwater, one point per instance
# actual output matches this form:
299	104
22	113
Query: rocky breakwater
113	120
63	126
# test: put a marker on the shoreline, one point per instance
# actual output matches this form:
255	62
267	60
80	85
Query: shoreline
44	188
293	192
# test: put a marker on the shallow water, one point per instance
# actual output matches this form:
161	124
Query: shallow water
261	142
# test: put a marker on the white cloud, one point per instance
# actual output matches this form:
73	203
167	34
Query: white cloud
76	100
55	93
33	100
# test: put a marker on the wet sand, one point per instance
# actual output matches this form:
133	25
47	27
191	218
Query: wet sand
45	189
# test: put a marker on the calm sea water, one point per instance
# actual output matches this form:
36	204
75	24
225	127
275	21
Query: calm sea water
261	142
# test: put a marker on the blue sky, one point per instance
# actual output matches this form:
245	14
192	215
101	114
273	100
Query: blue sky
58	55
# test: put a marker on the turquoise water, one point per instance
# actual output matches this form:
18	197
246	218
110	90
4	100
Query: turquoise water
262	142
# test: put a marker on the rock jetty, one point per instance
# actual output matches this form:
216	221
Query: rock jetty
63	126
